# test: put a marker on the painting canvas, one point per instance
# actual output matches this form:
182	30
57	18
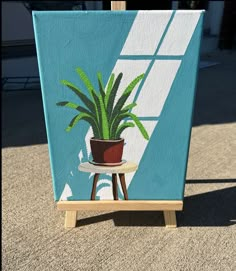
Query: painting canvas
118	91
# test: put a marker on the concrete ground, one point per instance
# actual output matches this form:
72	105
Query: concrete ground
34	237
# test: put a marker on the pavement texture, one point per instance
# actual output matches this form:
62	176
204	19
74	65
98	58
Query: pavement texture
34	237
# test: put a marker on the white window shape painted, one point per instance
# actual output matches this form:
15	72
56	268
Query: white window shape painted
66	193
156	88
135	145
130	69
146	32
87	140
105	192
179	33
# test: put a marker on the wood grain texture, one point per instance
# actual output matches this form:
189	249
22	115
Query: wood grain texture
118	5
170	219
125	168
70	219
104	205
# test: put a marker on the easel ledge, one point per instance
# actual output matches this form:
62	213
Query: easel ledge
167	206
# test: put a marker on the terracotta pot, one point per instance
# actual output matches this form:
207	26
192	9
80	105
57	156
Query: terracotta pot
107	151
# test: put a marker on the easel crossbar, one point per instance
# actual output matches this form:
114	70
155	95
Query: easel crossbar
130	205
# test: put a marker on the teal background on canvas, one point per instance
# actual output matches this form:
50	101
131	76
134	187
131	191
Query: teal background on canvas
67	40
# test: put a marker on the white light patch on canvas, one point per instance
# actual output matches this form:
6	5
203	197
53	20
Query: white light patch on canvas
105	193
130	69
156	88
135	145
179	33
91	175
66	192
146	32
87	140
103	181
80	155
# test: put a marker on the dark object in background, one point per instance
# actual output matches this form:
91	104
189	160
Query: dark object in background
139	5
154	5
197	4
26	48
228	26
54	5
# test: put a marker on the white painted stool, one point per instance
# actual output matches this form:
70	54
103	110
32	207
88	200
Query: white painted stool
127	167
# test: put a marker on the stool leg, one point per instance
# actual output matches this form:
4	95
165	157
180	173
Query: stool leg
114	186
123	185
95	180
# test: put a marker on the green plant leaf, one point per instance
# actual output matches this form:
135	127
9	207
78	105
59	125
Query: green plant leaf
122	127
98	112
74	106
109	88
115	123
132	85
112	95
128	107
101	85
91	90
85	80
125	96
88	103
86	117
104	120
67	104
139	125
120	117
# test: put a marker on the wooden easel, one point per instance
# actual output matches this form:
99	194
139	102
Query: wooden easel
167	206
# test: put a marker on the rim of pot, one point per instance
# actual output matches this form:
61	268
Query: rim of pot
107	140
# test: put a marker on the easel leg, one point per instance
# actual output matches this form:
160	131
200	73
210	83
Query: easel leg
123	185
170	219
95	180
70	219
114	186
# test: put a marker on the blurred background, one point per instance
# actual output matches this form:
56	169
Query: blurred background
18	45
20	76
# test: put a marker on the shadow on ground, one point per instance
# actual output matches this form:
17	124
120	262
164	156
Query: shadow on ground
216	92
214	208
22	119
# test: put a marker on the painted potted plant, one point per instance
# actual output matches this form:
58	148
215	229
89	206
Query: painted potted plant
107	118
